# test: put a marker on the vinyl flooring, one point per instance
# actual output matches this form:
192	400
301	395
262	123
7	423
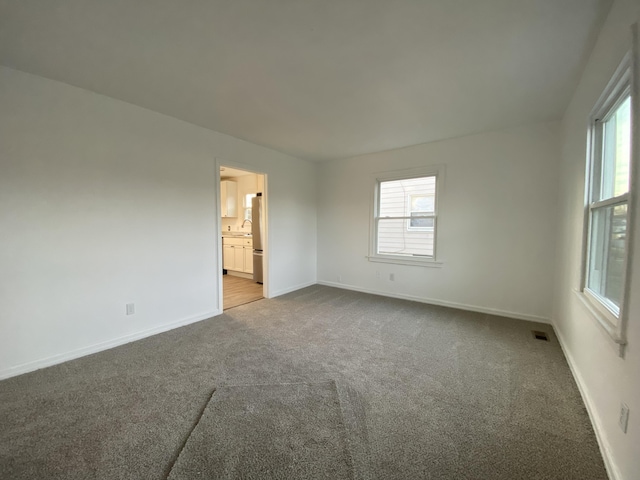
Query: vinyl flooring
238	291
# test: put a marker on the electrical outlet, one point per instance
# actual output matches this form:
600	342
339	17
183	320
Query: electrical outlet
623	421
339	278
131	308
377	273
392	277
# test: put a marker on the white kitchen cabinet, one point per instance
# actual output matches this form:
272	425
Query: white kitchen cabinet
228	259
248	259
228	199
237	254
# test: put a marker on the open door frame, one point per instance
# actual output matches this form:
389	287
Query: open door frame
249	168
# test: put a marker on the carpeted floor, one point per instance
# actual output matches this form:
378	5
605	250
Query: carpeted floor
386	389
302	421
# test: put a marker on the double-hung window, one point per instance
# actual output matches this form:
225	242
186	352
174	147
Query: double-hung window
607	202
405	216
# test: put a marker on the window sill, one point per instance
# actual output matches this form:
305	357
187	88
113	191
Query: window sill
417	262
601	319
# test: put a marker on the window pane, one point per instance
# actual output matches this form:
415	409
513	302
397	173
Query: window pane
607	251
395	239
395	195
248	199
616	152
421	222
422	203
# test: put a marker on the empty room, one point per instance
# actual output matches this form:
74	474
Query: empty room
304	239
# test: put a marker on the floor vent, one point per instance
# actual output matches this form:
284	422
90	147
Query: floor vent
540	335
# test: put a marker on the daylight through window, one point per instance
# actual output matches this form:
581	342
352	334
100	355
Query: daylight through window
608	203
406	217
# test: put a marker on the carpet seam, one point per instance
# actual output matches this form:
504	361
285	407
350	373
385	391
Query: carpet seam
186	438
344	432
235	385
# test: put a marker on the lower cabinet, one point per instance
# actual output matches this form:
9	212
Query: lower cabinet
238	258
237	255
228	259
248	259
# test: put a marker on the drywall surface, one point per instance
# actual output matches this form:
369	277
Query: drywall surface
606	379
103	203
495	226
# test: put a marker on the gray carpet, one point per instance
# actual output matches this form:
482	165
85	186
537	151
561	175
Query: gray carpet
423	392
302	422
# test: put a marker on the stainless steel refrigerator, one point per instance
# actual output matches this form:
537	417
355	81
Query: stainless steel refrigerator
257	231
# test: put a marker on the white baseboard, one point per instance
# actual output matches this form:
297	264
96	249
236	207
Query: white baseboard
98	347
442	303
291	289
605	449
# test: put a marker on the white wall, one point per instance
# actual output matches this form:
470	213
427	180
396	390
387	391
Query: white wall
496	222
104	203
605	379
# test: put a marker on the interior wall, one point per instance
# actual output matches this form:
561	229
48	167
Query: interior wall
497	211
103	203
605	379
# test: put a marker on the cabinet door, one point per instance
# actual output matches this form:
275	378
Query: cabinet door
232	199
248	259
228	259
238	256
228	199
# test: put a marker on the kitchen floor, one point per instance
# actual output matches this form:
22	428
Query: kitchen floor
238	291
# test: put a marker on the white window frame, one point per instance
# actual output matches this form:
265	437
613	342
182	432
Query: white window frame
428	171
612	319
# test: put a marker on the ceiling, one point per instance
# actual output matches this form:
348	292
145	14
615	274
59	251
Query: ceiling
228	172
317	79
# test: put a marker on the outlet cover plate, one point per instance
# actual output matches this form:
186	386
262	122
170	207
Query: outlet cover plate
623	421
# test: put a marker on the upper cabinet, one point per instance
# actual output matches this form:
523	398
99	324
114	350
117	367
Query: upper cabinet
228	199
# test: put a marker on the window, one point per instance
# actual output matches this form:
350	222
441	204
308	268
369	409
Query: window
422	210
607	201
247	202
405	216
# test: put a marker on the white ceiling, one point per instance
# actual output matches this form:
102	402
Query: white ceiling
317	79
233	172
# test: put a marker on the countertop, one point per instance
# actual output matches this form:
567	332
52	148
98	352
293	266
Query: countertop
236	235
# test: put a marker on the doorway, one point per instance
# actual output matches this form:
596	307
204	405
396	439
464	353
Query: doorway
243	236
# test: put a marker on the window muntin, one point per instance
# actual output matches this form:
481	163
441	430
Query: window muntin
405	217
608	202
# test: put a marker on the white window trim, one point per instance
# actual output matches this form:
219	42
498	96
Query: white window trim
624	81
376	178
